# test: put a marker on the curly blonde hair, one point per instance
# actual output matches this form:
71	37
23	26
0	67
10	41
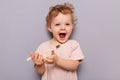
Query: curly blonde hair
65	8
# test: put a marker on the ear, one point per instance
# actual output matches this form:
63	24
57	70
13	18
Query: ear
49	28
73	25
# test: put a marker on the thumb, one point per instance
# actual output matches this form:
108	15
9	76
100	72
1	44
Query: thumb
31	53
53	52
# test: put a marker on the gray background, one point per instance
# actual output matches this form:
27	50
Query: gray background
22	29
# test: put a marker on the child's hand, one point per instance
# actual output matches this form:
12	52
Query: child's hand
37	58
52	58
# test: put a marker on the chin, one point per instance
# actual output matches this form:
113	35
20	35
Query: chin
62	41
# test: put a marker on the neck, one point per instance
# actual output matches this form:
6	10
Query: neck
55	42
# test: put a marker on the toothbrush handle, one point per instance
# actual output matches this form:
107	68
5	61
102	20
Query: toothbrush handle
28	59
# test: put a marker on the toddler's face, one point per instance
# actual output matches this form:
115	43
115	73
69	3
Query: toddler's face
61	27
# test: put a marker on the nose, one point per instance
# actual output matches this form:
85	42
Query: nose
62	27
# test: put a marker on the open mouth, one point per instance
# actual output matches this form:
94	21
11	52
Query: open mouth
62	35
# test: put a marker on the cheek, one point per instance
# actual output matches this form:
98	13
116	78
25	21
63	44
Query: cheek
56	30
70	30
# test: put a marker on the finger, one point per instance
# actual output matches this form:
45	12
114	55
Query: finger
36	59
29	58
36	56
50	57
41	57
49	61
31	53
33	56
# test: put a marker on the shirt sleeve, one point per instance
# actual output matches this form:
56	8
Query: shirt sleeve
40	49
43	49
77	53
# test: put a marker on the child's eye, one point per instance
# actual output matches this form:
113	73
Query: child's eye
67	24
57	24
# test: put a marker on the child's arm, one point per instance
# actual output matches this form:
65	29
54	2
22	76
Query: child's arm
38	62
70	65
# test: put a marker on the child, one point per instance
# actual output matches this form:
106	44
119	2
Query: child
59	58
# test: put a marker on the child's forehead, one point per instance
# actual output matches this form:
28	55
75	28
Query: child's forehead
63	17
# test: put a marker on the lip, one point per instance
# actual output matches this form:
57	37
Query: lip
62	35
